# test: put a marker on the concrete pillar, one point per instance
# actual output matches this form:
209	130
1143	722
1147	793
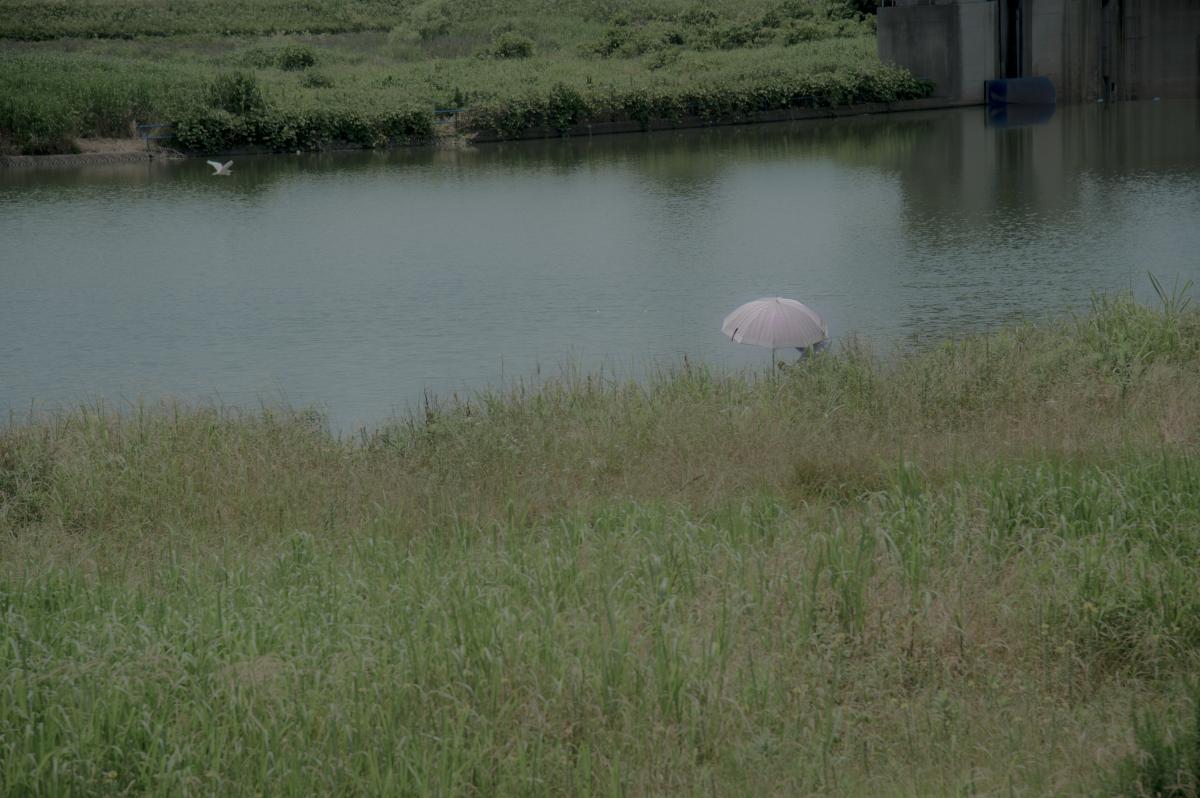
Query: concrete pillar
977	56
1047	39
953	45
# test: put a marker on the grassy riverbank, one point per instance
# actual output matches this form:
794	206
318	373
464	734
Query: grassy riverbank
969	570
265	74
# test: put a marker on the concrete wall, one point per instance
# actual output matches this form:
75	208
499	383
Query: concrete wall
978	58
1145	48
952	44
1081	52
1064	44
1160	49
923	40
1045	23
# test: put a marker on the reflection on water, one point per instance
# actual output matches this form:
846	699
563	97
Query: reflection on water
1019	115
357	280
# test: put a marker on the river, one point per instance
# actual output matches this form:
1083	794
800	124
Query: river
355	282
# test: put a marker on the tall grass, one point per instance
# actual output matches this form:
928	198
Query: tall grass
1166	761
33	20
374	74
952	573
126	19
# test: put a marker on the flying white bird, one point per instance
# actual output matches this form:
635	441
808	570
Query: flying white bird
222	169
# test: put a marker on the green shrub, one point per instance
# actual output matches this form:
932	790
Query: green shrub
565	107
210	130
430	19
611	43
287	130
294	58
738	34
623	41
511	45
507	118
235	93
803	31
771	18
674	35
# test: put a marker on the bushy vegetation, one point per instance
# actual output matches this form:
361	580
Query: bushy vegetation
957	572
510	45
216	130
732	95
289	57
149	61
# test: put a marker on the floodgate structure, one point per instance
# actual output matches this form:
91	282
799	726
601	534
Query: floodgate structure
1088	49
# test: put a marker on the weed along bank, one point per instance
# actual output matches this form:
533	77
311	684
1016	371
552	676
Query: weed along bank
372	74
1088	49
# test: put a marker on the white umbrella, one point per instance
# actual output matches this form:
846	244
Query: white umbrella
776	322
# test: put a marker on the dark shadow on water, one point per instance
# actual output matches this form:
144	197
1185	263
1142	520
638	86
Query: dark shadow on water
1019	115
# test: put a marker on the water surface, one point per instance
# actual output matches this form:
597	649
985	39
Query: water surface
356	281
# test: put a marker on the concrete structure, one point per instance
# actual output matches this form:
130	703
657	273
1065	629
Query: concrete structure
1090	49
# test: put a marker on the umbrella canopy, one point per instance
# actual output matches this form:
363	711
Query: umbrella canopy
776	322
